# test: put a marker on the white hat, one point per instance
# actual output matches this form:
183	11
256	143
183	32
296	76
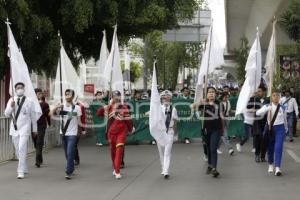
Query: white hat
166	93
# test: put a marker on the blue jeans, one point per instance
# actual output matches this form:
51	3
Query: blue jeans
225	138
212	141
290	120
275	146
69	143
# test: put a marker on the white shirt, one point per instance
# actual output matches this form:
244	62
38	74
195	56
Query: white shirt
26	122
173	117
228	108
73	126
291	105
281	116
248	117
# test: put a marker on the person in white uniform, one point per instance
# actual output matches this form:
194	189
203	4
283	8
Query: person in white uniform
171	125
23	123
292	112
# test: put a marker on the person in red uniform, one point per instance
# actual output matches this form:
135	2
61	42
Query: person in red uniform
119	124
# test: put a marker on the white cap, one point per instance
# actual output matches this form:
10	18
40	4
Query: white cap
166	93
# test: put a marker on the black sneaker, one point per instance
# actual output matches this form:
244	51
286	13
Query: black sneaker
291	140
263	160
209	169
215	173
68	176
166	176
37	165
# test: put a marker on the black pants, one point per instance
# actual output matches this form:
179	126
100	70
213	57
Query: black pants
212	140
38	142
76	157
261	145
295	125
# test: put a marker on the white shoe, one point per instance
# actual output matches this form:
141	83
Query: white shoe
278	172
219	151
205	158
99	144
114	173
253	150
118	176
231	152
238	147
187	141
153	142
271	169
20	175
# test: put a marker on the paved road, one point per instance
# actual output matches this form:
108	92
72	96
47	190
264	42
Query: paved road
241	177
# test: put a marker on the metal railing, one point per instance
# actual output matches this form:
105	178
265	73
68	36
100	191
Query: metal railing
7	152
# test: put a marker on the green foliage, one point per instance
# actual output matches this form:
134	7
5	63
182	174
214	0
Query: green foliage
241	55
135	70
35	25
170	56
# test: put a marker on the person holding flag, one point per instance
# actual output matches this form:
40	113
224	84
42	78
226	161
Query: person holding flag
213	128
71	116
23	123
119	124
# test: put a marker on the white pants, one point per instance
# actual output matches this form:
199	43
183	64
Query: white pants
20	143
165	153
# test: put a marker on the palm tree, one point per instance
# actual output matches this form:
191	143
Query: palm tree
290	22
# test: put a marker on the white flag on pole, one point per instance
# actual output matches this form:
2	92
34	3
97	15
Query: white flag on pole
212	58
270	64
157	117
253	76
20	73
104	53
70	78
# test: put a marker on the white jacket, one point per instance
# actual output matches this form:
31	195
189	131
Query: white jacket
26	122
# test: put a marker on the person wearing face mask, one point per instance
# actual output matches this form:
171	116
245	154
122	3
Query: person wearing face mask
42	123
119	124
70	119
165	152
213	128
21	110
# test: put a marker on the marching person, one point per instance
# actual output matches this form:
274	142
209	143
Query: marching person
275	130
165	152
186	96
292	112
70	114
42	123
225	106
119	124
81	132
21	109
213	128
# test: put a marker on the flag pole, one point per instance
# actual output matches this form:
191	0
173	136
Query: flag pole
11	79
207	70
60	68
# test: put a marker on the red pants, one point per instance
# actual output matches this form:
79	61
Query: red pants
117	142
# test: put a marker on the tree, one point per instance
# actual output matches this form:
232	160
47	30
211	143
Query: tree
135	70
290	22
36	23
241	55
170	56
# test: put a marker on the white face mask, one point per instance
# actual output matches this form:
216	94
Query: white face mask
20	92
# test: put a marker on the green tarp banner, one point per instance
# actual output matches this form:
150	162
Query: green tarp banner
189	125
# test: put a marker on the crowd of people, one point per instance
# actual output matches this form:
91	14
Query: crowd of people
267	119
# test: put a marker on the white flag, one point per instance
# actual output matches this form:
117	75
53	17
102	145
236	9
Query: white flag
270	64
20	73
113	71
157	117
70	78
104	53
127	70
253	76
212	58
